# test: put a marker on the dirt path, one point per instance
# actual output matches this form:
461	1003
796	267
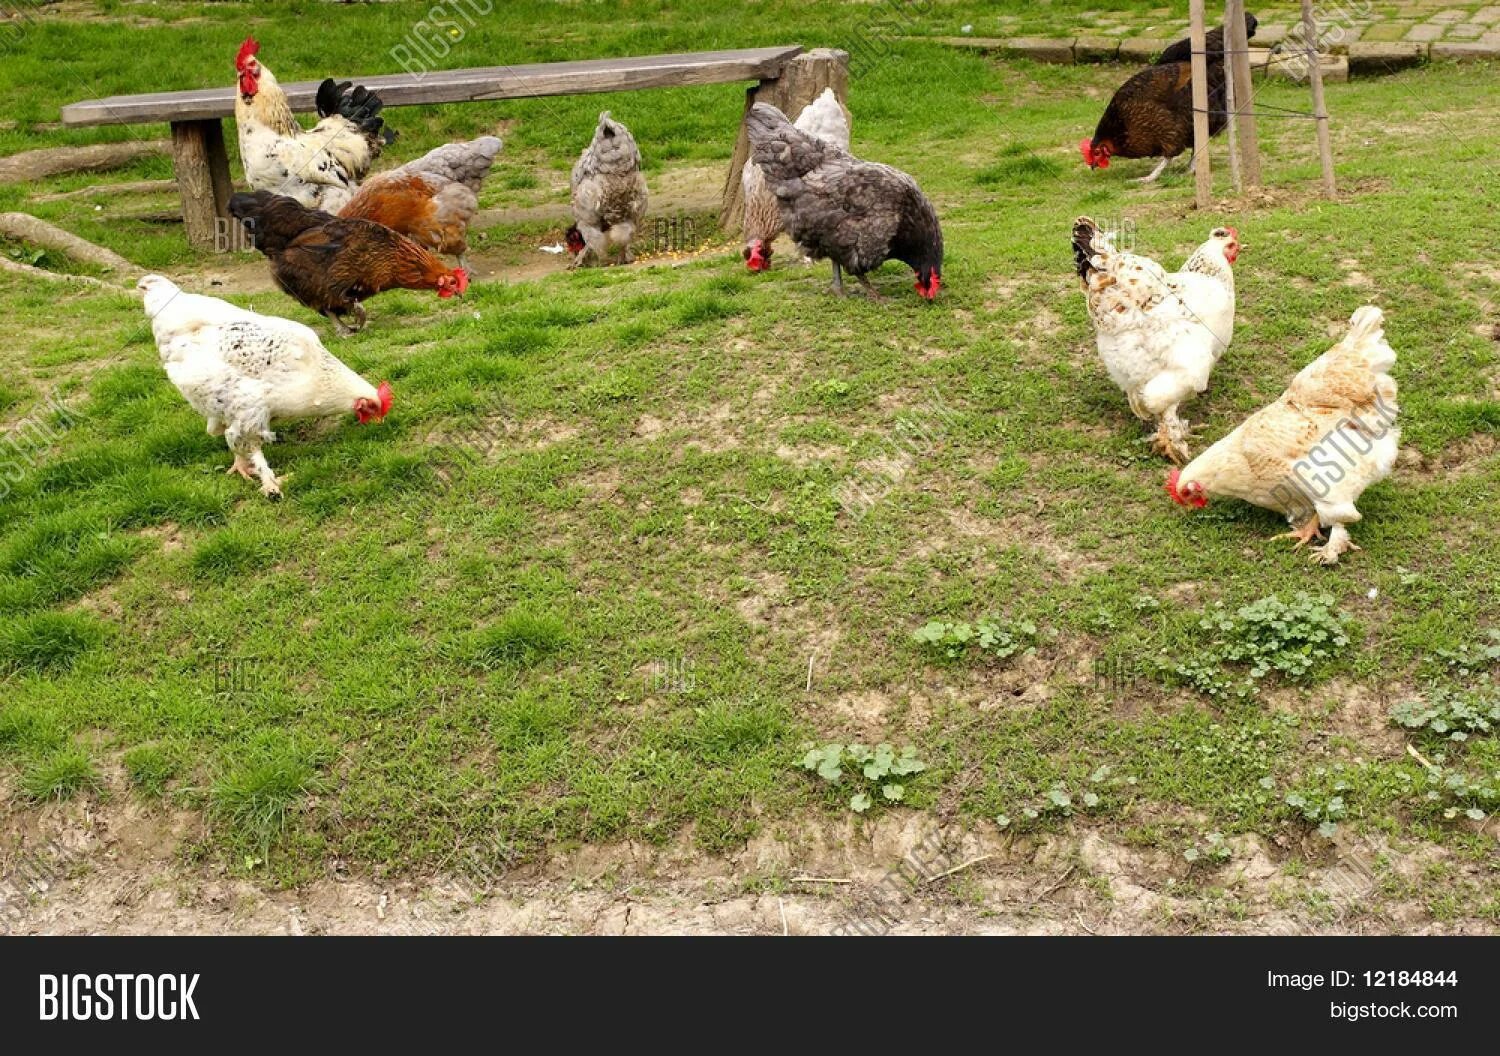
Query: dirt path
508	262
118	868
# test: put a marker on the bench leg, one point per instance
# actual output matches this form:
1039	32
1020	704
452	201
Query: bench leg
202	166
801	80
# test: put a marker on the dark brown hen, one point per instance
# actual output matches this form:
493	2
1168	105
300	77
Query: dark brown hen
1151	115
857	214
332	264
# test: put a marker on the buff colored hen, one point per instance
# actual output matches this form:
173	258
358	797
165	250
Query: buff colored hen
1310	455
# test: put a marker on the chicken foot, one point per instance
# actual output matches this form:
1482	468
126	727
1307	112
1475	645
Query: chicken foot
1338	543
1313	529
255	466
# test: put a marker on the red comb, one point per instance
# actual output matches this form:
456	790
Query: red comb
1086	148
1197	501
462	278
249	48
1172	487
386	398
1234	234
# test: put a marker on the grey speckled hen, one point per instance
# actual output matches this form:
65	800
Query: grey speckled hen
609	196
857	214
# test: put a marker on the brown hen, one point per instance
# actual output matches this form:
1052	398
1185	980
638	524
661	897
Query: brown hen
332	264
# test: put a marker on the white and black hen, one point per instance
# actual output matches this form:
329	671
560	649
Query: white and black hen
857	214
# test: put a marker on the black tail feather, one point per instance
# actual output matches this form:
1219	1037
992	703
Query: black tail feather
1084	231
360	106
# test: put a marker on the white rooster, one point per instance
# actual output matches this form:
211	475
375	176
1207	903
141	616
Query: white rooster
1312	453
320	167
1159	334
824	118
240	370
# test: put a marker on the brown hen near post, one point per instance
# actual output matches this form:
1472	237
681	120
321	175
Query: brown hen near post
1151	115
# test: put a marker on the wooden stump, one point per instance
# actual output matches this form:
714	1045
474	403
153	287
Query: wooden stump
202	166
802	80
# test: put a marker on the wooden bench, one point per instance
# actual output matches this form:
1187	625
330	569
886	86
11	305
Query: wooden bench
201	162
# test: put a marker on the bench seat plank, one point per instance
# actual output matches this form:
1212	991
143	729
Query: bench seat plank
458	86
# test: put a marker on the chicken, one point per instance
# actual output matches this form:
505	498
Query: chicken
1159	334
331	264
824	118
320	167
1151	115
240	370
1312	453
609	196
857	214
431	200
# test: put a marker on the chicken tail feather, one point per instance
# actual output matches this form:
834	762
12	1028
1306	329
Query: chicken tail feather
361	107
1084	231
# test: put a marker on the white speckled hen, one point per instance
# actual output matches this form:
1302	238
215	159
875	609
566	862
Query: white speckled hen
240	370
1159	334
857	214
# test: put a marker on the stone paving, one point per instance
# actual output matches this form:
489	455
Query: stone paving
1356	36
1421	21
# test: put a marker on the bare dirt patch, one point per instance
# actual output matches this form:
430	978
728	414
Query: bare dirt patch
118	868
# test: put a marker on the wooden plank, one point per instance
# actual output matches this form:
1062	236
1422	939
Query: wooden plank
1203	177
459	86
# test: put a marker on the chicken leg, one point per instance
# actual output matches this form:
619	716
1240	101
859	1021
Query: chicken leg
1313	529
1155	173
1171	438
870	290
838	280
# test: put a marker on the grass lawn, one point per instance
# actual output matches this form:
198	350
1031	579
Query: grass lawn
599	576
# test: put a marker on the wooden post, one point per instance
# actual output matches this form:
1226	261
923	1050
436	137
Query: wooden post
1230	95
201	164
1237	74
1197	37
802	79
1320	107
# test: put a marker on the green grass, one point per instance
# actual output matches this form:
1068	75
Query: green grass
448	630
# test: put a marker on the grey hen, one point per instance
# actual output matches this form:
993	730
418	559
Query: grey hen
857	214
609	196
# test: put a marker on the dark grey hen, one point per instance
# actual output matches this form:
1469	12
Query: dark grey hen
857	214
